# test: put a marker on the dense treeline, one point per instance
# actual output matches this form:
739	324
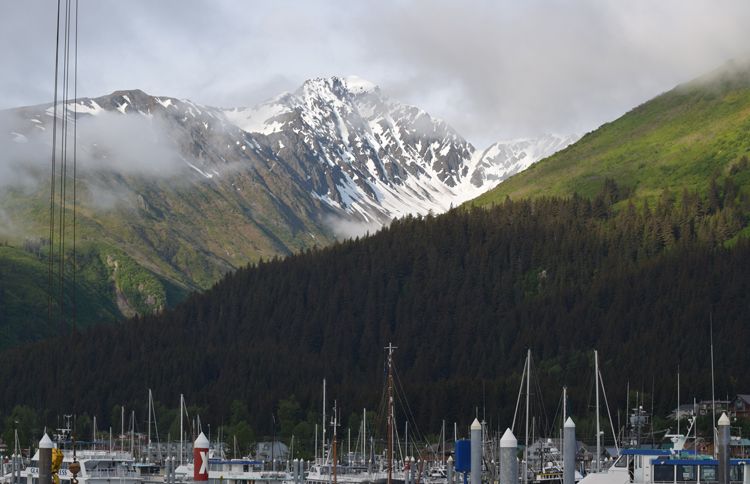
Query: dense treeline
462	295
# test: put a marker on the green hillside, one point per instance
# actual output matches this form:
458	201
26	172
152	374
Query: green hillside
678	140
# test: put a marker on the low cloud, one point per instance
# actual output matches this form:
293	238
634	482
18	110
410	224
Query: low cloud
113	150
130	145
108	143
349	229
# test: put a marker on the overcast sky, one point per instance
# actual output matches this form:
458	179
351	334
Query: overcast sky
493	69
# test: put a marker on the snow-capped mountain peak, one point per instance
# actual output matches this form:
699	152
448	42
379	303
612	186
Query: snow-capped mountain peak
337	141
382	158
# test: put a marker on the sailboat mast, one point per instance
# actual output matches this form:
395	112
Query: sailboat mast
148	448
678	399
390	349
323	443
406	434
122	427
713	394
564	418
526	447
364	435
334	423
598	430
442	458
182	434
132	430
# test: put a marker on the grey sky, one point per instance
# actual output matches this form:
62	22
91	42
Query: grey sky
492	69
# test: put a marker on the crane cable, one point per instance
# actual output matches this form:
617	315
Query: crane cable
57	225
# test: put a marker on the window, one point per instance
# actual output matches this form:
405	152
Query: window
686	473
735	473
663	473
708	473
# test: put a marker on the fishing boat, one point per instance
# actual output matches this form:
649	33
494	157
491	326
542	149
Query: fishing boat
659	466
97	467
345	474
235	471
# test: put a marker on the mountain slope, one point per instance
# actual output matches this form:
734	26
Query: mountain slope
678	140
173	194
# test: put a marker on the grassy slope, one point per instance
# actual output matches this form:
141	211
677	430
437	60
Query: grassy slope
677	140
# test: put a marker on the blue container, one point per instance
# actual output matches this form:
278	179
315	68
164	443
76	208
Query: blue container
463	455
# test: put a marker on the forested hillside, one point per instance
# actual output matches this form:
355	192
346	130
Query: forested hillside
462	295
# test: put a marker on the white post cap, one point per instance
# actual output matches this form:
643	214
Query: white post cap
569	423
46	442
201	442
724	420
508	439
475	425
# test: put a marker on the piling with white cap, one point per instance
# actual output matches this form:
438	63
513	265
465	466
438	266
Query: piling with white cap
569	452
723	449
745	473
19	468
200	458
508	460
476	452
449	470
45	460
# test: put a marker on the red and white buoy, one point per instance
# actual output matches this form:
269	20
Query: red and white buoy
200	458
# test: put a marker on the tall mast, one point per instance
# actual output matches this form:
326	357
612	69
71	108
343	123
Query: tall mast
334	423
564	418
442	457
148	447
713	394
627	411
678	399
122	428
406	437
132	430
598	430
390	349
182	434
364	436
526	447
323	448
